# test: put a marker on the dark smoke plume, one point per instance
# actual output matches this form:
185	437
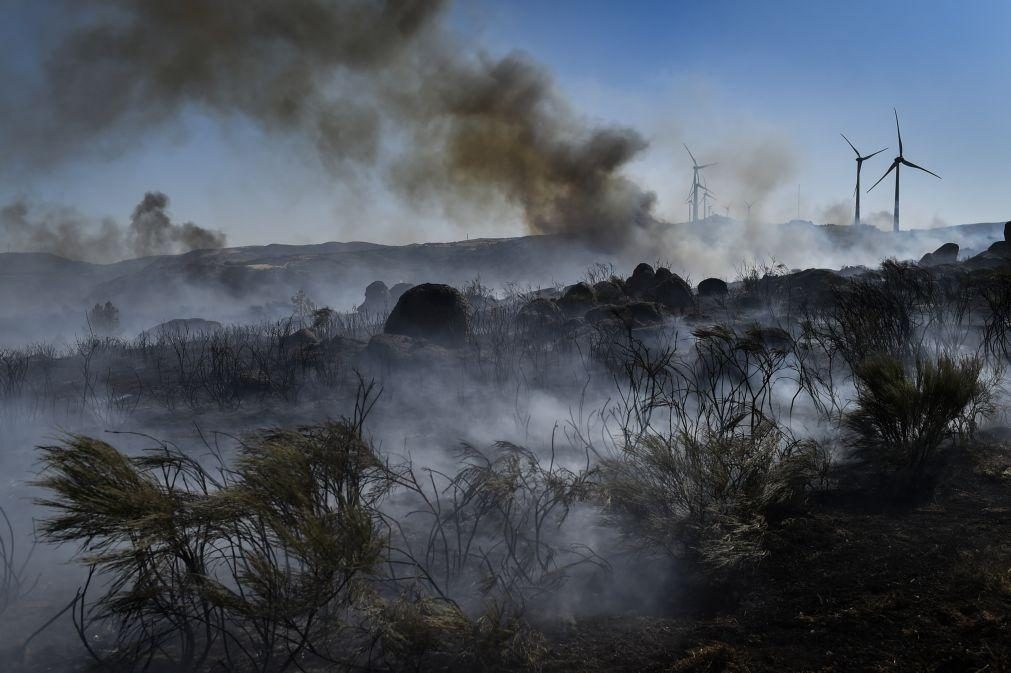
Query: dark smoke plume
370	83
66	233
152	232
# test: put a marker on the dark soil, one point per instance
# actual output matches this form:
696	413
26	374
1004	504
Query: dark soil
860	582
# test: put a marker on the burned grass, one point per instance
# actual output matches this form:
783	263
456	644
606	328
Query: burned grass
851	585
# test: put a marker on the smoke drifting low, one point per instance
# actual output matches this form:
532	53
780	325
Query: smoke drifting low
68	234
373	85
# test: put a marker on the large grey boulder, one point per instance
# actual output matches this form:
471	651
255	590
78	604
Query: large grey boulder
397	291
946	254
660	286
713	287
431	311
642	280
182	327
672	291
391	351
633	315
301	340
540	316
377	298
609	291
577	299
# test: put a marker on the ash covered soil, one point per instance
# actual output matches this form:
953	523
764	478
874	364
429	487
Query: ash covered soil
853	583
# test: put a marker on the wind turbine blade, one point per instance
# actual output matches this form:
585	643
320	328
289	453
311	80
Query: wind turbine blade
691	155
708	165
850	144
873	155
912	165
890	169
897	130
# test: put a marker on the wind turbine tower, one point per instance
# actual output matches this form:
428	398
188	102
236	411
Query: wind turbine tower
697	184
860	163
896	165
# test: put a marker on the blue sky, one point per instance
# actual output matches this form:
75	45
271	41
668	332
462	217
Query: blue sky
802	72
765	88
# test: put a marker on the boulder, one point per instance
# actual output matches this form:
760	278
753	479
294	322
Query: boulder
397	291
673	294
946	254
345	346
577	299
773	338
633	315
713	287
641	282
1000	249
182	327
645	314
303	339
580	292
660	286
609	292
431	311
540	315
377	298
672	291
398	350
810	287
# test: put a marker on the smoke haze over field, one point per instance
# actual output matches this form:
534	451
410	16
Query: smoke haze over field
69	234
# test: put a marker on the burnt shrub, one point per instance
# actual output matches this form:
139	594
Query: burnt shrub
707	499
704	464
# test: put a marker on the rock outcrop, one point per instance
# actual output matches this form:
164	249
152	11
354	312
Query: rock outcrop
946	254
377	298
431	311
713	287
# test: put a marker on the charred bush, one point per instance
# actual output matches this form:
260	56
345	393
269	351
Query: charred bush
704	463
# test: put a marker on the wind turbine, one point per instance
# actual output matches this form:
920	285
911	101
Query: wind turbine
696	184
747	204
707	195
860	163
896	164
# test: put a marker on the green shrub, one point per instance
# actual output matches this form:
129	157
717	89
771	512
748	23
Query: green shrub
256	566
905	412
286	557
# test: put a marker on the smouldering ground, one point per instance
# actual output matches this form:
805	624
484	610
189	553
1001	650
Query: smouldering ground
848	586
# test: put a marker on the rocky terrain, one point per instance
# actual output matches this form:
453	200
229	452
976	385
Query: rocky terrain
42	294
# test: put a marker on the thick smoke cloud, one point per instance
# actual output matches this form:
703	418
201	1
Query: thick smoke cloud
373	85
153	233
68	234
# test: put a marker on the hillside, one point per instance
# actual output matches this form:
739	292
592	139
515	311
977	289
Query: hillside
46	296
